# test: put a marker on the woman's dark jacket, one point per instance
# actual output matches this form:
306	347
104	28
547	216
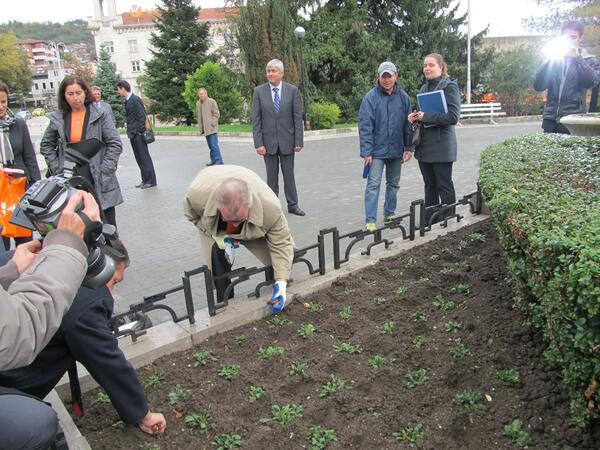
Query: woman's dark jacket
23	152
438	139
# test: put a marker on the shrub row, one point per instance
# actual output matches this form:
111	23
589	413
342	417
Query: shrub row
543	192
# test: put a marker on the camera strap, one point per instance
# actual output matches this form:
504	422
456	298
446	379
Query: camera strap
92	229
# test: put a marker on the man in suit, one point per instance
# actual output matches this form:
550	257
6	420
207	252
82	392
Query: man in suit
277	130
84	336
231	205
207	112
135	116
101	104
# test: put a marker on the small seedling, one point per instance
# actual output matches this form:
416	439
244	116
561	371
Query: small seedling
149	446
319	437
410	434
227	372
256	392
177	394
462	245
469	398
306	331
240	339
514	430
154	379
334	385
446	270
510	376
373	412
394	273
459	351
434	257
100	399
118	425
463	264
380	301
412	262
277	321
347	291
400	291
414	379
371	284
270	351
287	413
346	312
419	315
420	341
202	358
198	421
424	280
477	237
389	328
452	326
315	307
298	368
227	441
461	288
442	304
345	347
377	361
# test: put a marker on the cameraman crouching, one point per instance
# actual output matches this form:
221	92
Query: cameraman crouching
37	288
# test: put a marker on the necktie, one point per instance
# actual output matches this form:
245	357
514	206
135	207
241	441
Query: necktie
276	99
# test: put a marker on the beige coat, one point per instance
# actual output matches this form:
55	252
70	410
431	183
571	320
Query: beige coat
266	233
208	116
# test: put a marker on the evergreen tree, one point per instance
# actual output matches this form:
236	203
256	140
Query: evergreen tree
107	79
178	49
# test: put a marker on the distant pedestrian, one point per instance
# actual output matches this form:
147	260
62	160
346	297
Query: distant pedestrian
135	116
99	103
566	75
384	134
208	122
278	131
437	150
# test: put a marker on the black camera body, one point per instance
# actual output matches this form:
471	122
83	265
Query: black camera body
42	204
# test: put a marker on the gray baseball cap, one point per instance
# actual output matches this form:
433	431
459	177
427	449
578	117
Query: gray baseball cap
387	67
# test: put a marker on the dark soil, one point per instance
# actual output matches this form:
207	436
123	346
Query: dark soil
376	402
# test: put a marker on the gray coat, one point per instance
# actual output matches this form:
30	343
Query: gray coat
102	166
274	130
438	140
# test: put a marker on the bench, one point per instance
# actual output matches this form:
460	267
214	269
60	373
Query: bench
491	110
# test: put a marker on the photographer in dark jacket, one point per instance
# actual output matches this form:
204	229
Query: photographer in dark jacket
567	78
85	336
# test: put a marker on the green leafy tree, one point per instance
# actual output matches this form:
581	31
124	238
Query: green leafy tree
107	79
178	49
14	68
219	85
71	32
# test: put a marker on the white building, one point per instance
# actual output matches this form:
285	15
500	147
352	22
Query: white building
126	36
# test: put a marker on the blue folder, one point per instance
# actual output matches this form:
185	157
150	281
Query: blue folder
432	102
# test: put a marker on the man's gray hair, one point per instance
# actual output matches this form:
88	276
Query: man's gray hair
96	88
276	64
202	89
234	193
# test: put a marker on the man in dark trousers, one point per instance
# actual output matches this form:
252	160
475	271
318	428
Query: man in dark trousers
135	116
277	130
84	336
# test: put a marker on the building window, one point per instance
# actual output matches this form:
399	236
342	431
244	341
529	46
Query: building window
52	85
109	46
132	46
44	86
37	88
135	66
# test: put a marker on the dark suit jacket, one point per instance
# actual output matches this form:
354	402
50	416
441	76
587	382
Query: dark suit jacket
25	159
282	130
84	336
135	116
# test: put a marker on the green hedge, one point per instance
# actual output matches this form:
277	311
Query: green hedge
323	115
543	192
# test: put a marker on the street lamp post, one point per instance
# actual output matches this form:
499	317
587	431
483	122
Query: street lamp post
299	32
469	51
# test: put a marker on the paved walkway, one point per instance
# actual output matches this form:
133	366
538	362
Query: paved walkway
162	243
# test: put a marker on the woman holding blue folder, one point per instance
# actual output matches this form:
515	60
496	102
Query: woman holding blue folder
436	151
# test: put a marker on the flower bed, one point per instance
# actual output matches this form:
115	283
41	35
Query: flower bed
423	349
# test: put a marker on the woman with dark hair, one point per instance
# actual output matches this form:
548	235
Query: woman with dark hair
18	149
436	151
77	120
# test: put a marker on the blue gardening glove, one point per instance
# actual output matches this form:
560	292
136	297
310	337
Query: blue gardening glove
277	301
231	246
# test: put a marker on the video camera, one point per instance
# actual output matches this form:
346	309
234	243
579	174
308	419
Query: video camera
42	204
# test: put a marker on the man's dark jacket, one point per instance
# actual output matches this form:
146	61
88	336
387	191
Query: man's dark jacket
135	116
84	336
567	84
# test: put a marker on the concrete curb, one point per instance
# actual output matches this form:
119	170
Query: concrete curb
169	337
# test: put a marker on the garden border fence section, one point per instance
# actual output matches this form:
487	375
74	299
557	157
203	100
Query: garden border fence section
417	212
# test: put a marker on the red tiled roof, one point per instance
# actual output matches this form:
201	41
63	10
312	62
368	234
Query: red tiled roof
205	14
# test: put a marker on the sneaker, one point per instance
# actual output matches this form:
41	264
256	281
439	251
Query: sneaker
388	219
370	226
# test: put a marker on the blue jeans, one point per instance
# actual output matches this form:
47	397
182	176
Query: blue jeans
215	152
392	184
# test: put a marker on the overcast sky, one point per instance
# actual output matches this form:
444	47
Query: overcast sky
503	16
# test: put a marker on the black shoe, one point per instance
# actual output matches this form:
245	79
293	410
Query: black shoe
296	210
148	186
139	185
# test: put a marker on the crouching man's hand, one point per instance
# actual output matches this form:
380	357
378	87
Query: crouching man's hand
153	423
278	298
25	254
